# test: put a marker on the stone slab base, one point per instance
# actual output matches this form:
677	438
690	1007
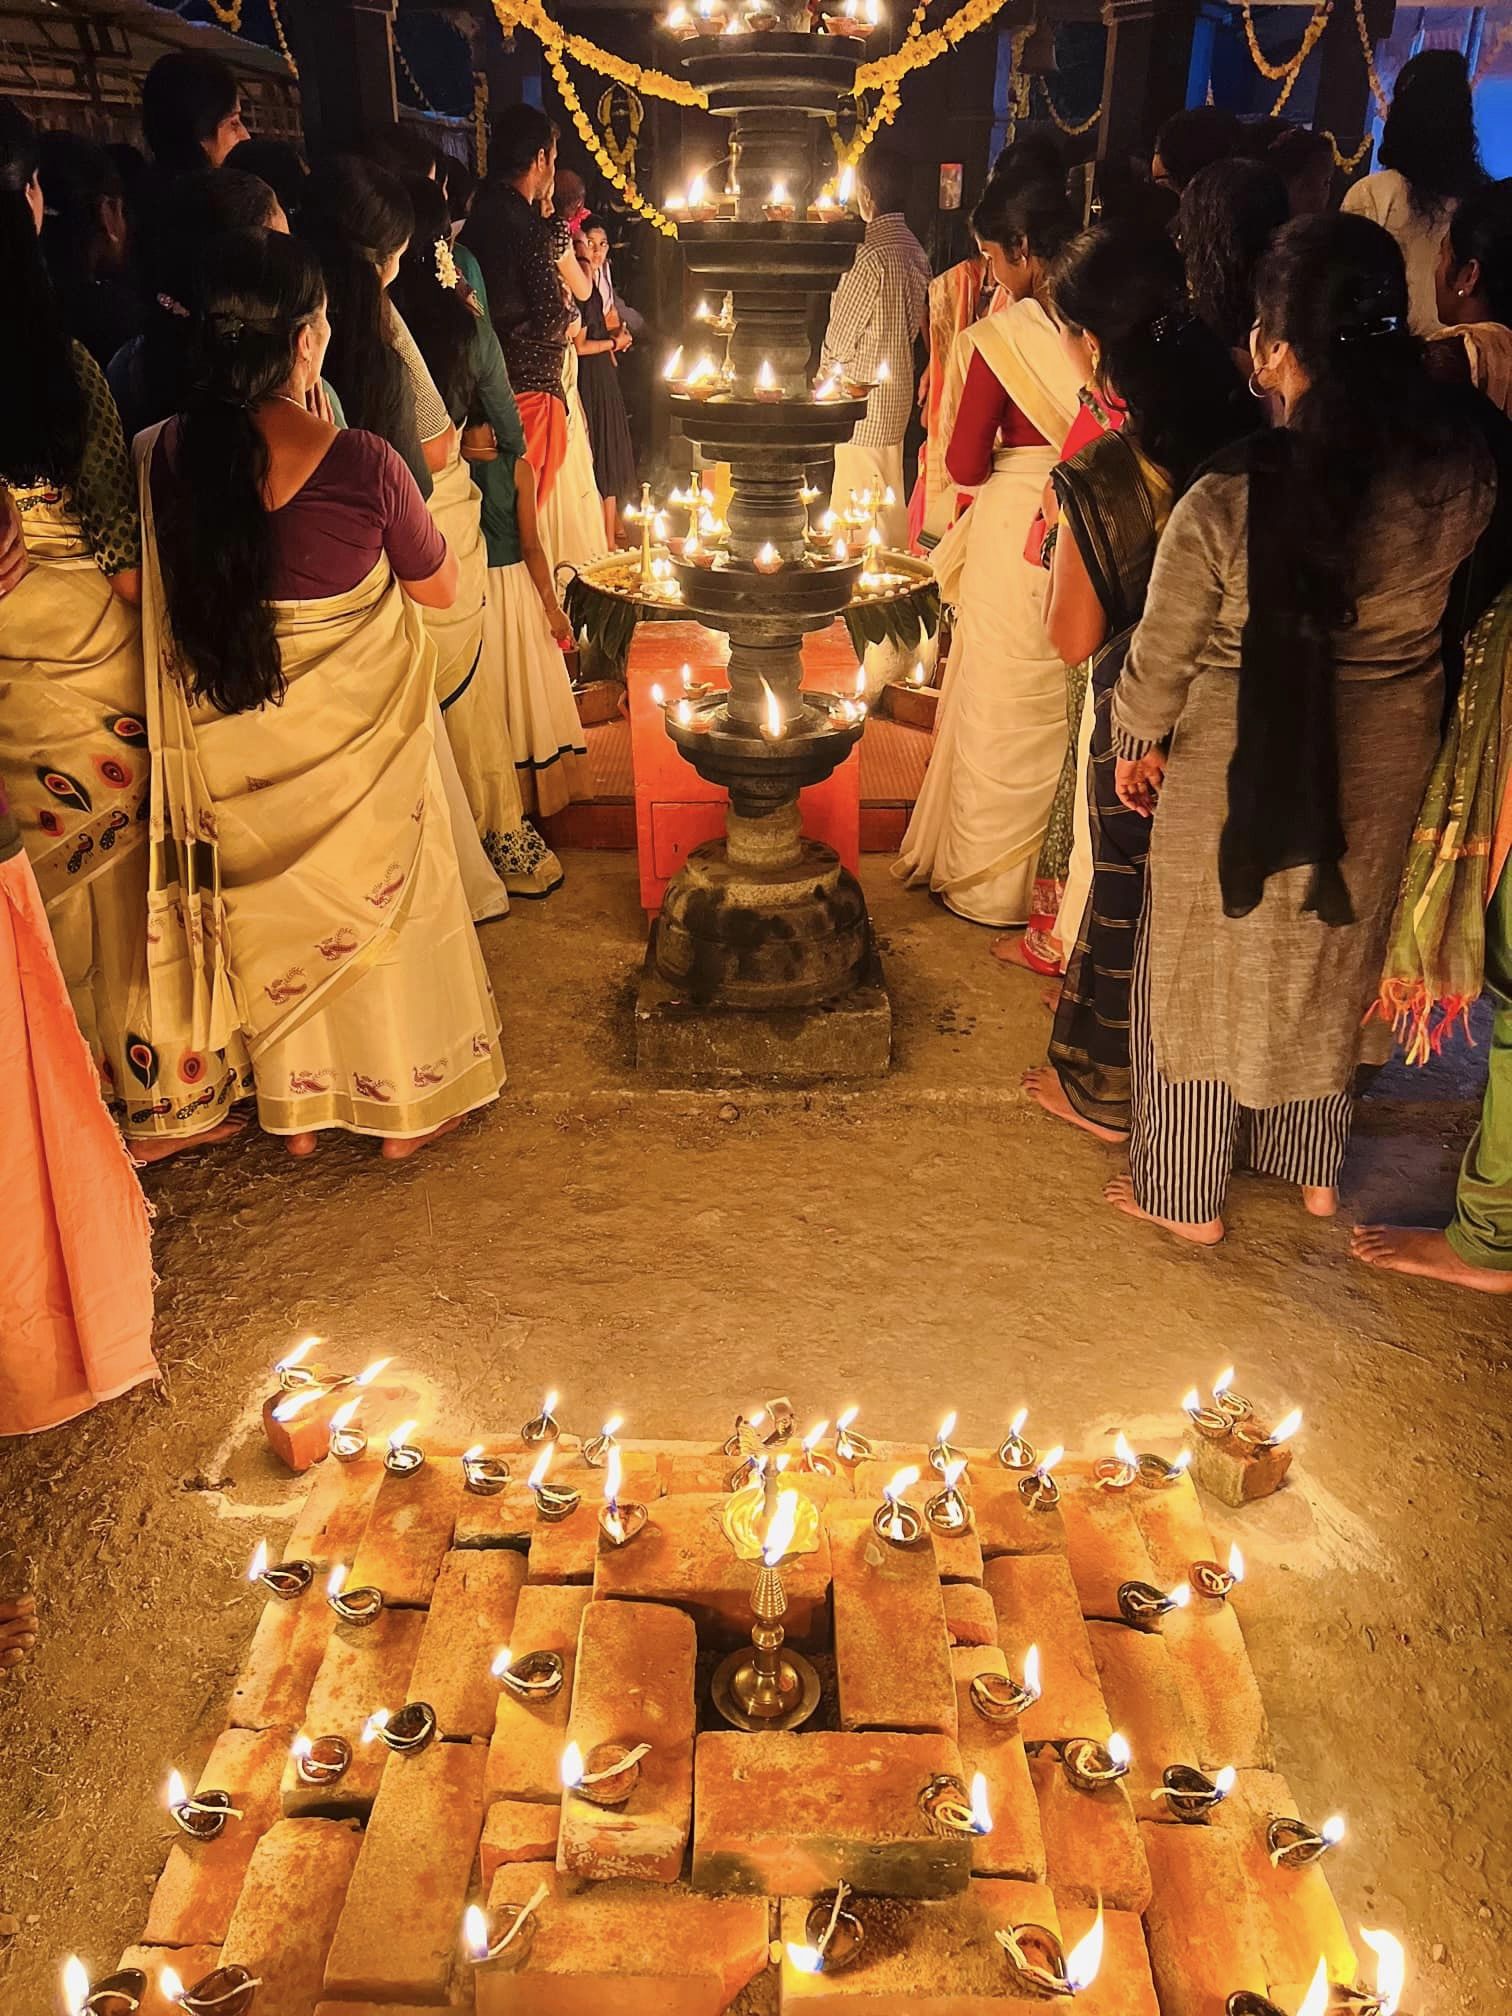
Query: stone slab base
848	1038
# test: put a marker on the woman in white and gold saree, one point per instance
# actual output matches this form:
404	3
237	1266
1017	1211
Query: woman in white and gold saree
300	827
975	834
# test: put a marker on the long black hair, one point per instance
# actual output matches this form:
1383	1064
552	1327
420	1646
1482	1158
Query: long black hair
1481	229
1429	136
185	96
356	216
436	315
42	413
259	289
78	179
1335	289
1185	399
1229	214
1025	214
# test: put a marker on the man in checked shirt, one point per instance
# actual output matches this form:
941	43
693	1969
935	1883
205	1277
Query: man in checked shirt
876	313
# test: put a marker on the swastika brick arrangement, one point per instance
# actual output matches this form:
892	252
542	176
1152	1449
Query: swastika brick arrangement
346	1895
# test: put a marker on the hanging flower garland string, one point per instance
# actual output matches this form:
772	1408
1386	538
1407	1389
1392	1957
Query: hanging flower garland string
588	133
1074	129
555	39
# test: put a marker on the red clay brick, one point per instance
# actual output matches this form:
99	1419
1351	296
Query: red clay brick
510	1519
969	1616
336	1511
1103	1546
683	1558
190	1963
1123	1986
1234	1476
1015	1848
923	1959
1144	1704
197	1891
1092	1845
1295	1913
1175	1529
1200	1924
281	1663
566	1550
791	1815
517	1830
1005	1524
1218	1688
1036	1604
410	1531
472	1613
365	1667
288	1909
624	1949
892	1653
525	1755
398	1936
958	1556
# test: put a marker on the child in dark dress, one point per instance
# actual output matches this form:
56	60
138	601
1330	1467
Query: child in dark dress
599	342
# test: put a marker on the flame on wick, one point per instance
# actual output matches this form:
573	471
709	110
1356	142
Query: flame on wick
1016	1425
658	696
1332	1830
780	1532
475	1931
344	1416
1223	1382
1085	1957
1315	2002
298	1355
774	721
1182	1463
947	1426
297	1402
259	1561
779	191
170	1986
916	677
981	1811
1118	1748
817	1434
1285	1430
698	188
370	1372
542	1464
673	365
846	187
400	1437
613	1475
846	1419
572	1766
1391	1968
1236	1563
379	1719
1181	1595
336	1580
1191	1401
861	695
954	1471
1225	1781
1048	1461
300	1747
1123	1452
500	1664
472	1455
768	556
177	1792
75	1984
1032	1671
839	551
894	1488
807	1959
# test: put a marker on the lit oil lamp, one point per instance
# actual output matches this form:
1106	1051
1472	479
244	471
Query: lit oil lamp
1292	1844
832	1936
1391	1977
829	387
1040	1964
845	188
779	207
538	1676
703	381
765	385
403	1458
840	553
224	1991
947	1511
850	1447
1119	1471
1038	1489
1210	1422
511	1941
608	1775
1090	1765
774	725
552	1501
683	713
1252	1436
767	1685
409	1729
484	1476
1143	1605
293	1373
1208	1579
700	204
1226	1400
678	21
285	1581
847	19
1014	1453
895	1519
352	1606
543	1427
1316	2002
1190	1794
998	1697
949	1810
320	1760
595	1451
202	1818
117	1995
811	1461
940	1453
759	17
710	16
1156	1474
619	1519
767	560
826	207
347	1441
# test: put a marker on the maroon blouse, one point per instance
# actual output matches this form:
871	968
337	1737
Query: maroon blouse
360	501
985	419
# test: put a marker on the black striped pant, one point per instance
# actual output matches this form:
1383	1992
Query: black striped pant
1186	1138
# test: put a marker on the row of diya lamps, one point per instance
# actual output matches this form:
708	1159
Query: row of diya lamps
761	17
684	707
704	379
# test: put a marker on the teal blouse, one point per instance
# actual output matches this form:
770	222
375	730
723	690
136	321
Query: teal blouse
493	400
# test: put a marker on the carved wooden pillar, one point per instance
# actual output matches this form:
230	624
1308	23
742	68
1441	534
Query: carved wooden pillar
345	52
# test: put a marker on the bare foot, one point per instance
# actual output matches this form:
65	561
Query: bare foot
301	1144
401	1151
1420	1249
145	1149
1015	952
1051	998
1319	1202
1045	1088
1120	1194
18	1630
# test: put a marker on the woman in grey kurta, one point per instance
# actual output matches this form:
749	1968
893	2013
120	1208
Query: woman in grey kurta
1269	900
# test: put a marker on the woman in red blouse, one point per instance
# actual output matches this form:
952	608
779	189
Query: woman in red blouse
976	830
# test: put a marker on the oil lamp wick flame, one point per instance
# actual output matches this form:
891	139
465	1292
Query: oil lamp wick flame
572	1766
775	725
75	1984
1316	2001
780	1532
1391	1968
259	1565
1085	1958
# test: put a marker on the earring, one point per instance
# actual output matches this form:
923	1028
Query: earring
1258	389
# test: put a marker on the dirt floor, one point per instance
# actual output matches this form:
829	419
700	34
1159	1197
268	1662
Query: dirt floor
932	1242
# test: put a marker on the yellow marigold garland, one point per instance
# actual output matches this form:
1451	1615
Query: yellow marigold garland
1367	49
1075	128
588	133
1279	73
554	39
283	41
480	122
925	49
229	16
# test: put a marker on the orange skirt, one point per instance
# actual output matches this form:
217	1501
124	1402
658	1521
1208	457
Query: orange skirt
76	1278
544	418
